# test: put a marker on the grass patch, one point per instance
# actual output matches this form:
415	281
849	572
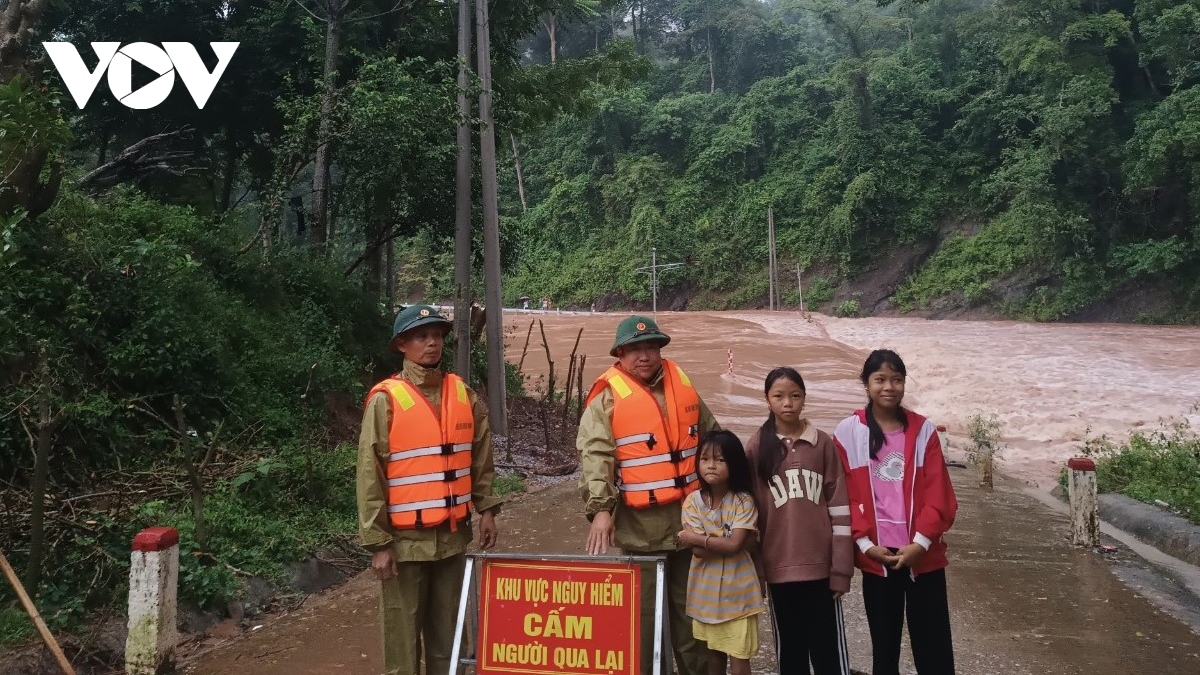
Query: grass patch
16	628
508	484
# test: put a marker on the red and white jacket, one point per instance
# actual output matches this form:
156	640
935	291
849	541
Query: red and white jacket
928	495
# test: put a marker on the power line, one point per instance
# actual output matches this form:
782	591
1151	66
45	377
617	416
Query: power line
653	270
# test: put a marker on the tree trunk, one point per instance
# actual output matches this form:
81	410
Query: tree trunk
192	467
633	23
520	173
498	411
324	159
390	271
374	261
553	28
462	203
230	173
41	476
712	77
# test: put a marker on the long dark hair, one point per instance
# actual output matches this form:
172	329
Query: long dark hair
877	360
770	450
735	458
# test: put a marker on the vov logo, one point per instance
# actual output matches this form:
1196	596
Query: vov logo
171	58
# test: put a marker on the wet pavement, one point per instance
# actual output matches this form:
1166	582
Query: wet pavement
1022	601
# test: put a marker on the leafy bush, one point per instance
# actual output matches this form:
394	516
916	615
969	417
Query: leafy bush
848	308
984	431
1159	465
134	302
821	291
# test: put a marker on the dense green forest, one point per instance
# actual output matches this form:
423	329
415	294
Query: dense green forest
193	301
1034	157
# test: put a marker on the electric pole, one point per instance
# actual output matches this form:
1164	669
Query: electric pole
800	287
653	270
497	405
771	257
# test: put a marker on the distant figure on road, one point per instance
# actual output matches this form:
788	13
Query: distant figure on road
637	444
901	503
424	458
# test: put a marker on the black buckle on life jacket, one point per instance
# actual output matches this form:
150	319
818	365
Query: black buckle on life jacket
681	481
694	430
676	456
449	475
447	448
651	442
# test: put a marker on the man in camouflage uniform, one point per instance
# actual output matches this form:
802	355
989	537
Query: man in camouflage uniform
639	531
421	568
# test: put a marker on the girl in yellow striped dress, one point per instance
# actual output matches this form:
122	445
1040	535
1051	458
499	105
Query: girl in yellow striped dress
719	524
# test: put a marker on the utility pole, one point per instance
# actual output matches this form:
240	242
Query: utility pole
497	405
771	256
462	203
800	287
653	270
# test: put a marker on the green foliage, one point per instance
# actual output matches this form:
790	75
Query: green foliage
1154	465
15	626
984	431
848	308
136	302
286	505
819	292
1068	130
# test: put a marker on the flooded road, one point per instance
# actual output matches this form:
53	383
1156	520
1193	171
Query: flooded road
1050	385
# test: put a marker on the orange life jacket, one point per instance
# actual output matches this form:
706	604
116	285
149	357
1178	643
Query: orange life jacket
429	471
656	453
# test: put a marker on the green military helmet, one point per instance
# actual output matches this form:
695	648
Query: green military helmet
638	329
415	316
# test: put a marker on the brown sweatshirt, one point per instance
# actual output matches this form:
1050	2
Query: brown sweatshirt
804	513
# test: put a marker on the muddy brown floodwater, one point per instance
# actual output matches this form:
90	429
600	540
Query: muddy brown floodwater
1049	385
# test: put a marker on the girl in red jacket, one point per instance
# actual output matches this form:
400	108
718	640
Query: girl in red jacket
901	503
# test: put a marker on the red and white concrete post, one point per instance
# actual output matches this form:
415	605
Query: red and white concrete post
1085	510
153	583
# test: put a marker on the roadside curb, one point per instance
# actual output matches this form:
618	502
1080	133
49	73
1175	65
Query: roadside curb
1169	533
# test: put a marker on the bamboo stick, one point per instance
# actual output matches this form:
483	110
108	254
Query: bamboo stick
51	643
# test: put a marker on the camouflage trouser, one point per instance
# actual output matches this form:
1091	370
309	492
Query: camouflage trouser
691	655
420	605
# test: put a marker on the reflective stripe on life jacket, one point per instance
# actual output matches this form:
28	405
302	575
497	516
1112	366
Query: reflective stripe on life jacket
656	453
429	469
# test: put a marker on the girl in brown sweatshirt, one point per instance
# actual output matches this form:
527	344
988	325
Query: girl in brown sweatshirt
806	555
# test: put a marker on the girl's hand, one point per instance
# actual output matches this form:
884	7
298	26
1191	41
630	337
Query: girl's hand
699	551
909	556
882	556
690	537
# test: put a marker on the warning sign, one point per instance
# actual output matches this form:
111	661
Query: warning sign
561	618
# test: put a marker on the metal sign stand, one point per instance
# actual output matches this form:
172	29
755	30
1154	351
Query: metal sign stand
459	661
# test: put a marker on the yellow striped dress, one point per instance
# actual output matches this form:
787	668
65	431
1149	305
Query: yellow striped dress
722	588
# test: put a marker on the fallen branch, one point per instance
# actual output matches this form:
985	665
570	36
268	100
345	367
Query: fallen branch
137	160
